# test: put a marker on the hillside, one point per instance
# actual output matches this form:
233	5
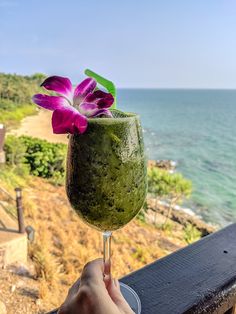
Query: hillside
15	97
63	244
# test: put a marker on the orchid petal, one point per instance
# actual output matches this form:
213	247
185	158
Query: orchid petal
59	84
100	112
50	102
83	89
68	120
92	110
102	99
87	108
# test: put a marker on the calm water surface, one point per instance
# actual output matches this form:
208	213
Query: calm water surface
196	128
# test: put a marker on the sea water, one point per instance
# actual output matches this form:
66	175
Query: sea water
196	128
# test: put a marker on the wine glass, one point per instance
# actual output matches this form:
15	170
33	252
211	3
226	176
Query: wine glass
106	178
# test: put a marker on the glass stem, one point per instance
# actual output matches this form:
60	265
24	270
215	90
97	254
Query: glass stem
107	254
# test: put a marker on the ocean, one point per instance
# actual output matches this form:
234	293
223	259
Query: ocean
197	129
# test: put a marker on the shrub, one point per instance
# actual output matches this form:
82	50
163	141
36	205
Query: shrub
43	159
141	216
163	184
172	187
191	234
15	151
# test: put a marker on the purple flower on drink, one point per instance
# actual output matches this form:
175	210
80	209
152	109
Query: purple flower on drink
73	106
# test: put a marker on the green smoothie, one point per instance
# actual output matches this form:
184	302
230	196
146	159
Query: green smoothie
106	179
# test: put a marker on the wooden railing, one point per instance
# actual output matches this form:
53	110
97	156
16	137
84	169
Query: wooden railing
200	278
10	199
18	205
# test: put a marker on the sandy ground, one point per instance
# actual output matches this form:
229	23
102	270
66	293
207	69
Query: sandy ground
40	126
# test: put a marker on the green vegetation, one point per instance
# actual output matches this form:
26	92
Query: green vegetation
164	185
191	234
19	89
12	117
168	227
37	157
15	97
141	216
12	177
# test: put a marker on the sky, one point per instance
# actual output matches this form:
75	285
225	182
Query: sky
138	44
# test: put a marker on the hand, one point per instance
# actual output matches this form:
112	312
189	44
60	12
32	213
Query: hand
91	295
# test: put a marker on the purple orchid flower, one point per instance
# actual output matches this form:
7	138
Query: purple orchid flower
72	107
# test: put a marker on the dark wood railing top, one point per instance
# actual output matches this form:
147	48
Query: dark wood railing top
200	278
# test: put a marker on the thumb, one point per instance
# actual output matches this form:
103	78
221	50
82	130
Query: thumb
117	297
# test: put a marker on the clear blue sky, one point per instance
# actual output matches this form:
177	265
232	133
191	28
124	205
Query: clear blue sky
136	43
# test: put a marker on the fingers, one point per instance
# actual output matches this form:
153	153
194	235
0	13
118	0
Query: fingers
93	273
90	292
74	289
117	297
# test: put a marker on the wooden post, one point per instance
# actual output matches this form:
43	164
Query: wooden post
19	208
2	136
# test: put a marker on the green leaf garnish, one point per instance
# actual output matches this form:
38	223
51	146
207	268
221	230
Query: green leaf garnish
105	83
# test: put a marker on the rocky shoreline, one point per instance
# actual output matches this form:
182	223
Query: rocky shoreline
180	217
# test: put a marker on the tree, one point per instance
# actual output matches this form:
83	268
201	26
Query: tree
16	92
172	187
19	89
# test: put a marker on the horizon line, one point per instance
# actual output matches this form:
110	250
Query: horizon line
146	88
181	88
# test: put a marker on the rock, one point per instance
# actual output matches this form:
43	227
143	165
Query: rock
168	165
22	271
13	288
37	302
20	283
3	309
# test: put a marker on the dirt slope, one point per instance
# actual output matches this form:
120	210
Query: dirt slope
63	244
